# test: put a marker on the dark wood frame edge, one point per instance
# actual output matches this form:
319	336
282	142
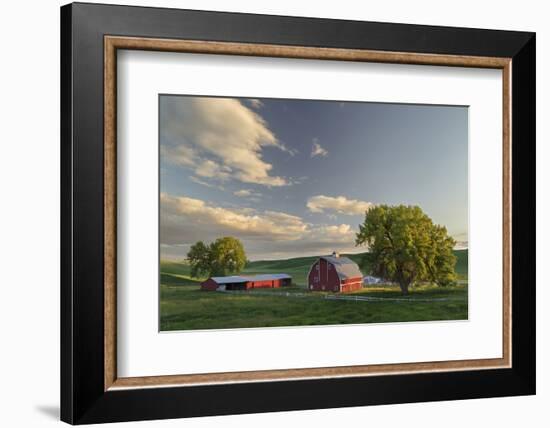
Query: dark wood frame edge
113	43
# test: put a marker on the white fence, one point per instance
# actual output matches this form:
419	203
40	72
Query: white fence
345	297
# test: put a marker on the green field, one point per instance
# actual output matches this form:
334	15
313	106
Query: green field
183	306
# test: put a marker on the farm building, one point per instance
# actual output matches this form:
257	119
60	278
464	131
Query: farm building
223	283
335	273
370	280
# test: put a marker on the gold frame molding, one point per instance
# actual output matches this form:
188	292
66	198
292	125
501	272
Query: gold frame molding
113	43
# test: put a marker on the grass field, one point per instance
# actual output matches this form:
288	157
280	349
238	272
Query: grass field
183	306
298	268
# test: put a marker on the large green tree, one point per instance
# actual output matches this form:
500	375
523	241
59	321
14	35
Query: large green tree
406	247
227	255
224	256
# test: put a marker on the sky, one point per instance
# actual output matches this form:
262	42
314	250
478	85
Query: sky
295	177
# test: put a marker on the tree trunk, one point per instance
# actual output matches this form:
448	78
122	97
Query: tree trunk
404	288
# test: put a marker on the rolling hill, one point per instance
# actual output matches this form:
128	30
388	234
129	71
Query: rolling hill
183	306
175	273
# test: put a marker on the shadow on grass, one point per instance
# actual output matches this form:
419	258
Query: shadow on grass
177	280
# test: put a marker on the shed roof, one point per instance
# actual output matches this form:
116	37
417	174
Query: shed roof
228	279
269	276
345	267
238	278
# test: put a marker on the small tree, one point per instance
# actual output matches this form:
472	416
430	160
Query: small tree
200	259
406	246
225	256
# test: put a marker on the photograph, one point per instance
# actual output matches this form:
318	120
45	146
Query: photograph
294	212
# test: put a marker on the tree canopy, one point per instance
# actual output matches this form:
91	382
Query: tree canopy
199	258
406	247
224	256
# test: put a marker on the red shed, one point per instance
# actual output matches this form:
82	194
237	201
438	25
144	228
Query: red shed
335	273
223	283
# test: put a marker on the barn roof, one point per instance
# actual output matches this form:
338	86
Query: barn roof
345	267
269	276
237	278
228	279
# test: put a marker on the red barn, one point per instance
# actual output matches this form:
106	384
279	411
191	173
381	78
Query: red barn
223	283
335	273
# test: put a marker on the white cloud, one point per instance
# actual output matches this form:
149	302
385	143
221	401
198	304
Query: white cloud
182	155
243	193
267	233
461	241
219	138
255	103
461	245
338	233
291	152
184	220
339	204
317	150
204	183
247	193
210	169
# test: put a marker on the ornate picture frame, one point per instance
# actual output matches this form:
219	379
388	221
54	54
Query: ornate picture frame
91	389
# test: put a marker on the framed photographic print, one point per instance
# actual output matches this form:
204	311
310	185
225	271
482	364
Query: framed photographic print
266	213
